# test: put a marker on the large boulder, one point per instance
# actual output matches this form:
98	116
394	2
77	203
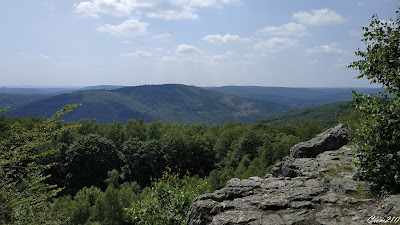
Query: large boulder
319	190
331	139
323	193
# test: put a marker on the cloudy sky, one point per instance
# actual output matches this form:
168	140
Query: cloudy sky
287	43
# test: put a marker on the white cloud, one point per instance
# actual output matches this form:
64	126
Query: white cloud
325	49
275	44
187	49
319	17
216	38
219	57
169	59
137	54
234	2
159	9
43	56
191	54
213	3
129	27
161	36
228	55
203	3
111	7
286	29
169	10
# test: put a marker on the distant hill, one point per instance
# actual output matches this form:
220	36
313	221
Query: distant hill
52	90
99	87
294	97
33	91
327	114
19	100
171	103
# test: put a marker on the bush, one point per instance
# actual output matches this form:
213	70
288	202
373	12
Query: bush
168	200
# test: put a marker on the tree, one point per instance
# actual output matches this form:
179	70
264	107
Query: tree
168	199
88	127
186	152
142	160
115	133
92	206
378	134
88	160
23	193
154	130
134	129
110	205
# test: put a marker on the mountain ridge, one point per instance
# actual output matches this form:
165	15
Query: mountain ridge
169	103
295	97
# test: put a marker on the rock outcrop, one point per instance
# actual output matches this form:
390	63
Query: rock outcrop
331	139
318	189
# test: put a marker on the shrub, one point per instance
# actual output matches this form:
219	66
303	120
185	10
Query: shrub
378	134
168	199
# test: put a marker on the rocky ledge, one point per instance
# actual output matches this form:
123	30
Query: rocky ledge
315	185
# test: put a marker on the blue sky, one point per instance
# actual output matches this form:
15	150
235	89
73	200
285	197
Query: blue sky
296	43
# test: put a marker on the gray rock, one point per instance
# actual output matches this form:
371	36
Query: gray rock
331	139
319	190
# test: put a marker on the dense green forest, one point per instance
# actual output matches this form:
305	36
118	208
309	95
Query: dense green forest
328	115
87	172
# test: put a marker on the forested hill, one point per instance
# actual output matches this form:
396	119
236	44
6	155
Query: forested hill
327	115
294	97
171	103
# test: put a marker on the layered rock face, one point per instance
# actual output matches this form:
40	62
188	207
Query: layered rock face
319	189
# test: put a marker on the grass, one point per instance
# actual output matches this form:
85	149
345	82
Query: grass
337	172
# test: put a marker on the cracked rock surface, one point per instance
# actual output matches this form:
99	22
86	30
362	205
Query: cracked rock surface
319	190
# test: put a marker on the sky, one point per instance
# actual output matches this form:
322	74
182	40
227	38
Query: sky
285	43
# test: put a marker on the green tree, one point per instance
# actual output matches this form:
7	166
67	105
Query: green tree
154	130
378	134
134	129
186	152
88	160
308	130
168	199
5	127
24	194
142	160
88	127
92	206
247	144
115	133
84	201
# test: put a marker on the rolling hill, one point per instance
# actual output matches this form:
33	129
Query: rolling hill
294	97
172	103
326	114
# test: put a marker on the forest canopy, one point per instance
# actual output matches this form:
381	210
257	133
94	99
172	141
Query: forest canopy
81	172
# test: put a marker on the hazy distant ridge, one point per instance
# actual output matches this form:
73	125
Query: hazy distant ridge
171	103
294	97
